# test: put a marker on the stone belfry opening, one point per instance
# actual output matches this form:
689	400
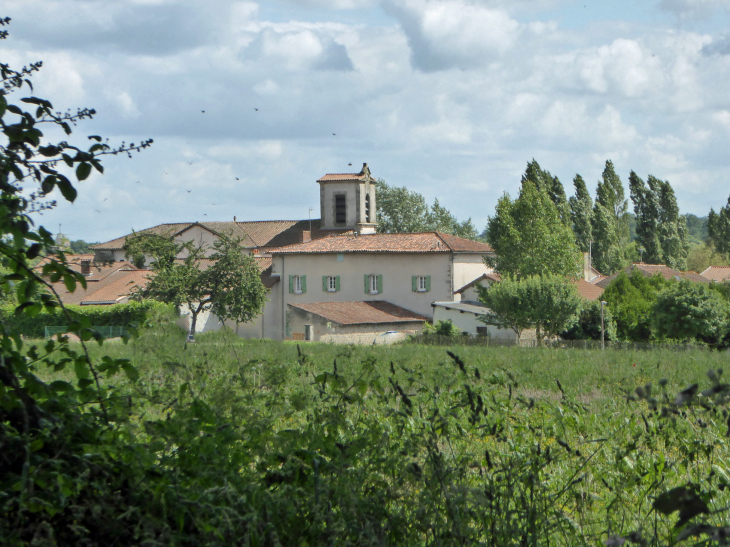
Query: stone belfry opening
347	201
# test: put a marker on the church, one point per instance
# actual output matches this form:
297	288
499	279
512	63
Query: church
335	278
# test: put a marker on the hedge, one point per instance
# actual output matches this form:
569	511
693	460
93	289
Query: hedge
113	315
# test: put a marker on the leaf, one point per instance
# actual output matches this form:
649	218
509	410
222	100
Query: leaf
3	105
15	110
70	282
83	171
97	138
81	369
131	371
68	191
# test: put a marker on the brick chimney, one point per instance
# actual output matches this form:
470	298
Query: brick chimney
306	236
86	267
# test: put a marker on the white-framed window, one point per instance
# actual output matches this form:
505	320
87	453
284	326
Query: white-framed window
373	283
330	283
297	284
421	283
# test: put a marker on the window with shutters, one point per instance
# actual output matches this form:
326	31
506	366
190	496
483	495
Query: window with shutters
421	283
330	283
297	284
373	284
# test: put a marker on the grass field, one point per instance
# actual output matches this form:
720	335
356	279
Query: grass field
408	445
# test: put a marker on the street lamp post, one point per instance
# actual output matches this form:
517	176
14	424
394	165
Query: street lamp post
603	327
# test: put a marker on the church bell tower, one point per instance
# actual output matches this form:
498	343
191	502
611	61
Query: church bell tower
347	201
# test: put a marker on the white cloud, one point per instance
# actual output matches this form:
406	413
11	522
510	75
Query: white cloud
299	50
446	34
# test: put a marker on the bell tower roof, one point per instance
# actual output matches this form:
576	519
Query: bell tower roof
362	176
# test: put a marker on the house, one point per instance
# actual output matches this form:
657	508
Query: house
336	276
106	282
717	273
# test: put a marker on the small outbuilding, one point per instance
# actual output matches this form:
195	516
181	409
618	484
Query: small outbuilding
371	322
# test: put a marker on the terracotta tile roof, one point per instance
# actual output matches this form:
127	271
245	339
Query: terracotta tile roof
261	234
425	242
587	290
491	277
121	285
97	270
161	229
330	177
71	259
360	313
717	273
652	269
81	295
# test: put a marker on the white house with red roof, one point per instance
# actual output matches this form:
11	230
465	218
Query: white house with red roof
335	278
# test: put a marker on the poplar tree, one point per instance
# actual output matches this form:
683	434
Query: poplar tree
660	229
718	229
611	232
546	182
581	213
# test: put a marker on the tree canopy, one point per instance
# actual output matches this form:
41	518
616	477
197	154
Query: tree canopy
400	210
718	229
529	236
548	303
226	283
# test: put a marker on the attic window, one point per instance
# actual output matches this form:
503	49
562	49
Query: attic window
340	209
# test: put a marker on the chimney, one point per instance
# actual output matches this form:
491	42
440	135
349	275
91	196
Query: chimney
234	218
306	236
86	267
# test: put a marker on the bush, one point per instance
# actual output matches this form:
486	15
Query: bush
588	326
118	315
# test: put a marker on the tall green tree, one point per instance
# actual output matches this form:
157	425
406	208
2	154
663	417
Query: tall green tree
611	232
646	209
718	229
230	287
400	210
548	303
660	230
581	212
550	184
529	237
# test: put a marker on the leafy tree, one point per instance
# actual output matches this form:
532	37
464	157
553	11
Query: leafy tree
400	210
687	311
157	250
546	182
548	303
530	238
588	326
672	228
581	213
703	255
230	287
611	232
646	208
718	229
697	227
630	299
53	487
81	247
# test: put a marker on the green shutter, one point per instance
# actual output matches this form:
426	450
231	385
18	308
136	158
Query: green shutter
337	283
367	284
428	283
414	283
380	284
291	284
324	283
304	284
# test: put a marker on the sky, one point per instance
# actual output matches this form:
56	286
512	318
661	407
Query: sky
249	103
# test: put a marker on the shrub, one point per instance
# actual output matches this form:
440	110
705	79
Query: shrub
588	326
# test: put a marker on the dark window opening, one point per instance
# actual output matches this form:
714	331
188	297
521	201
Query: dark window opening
367	208
340	209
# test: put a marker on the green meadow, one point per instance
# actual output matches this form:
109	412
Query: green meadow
269	443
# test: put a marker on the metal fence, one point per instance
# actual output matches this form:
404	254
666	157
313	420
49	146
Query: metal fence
106	331
487	341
